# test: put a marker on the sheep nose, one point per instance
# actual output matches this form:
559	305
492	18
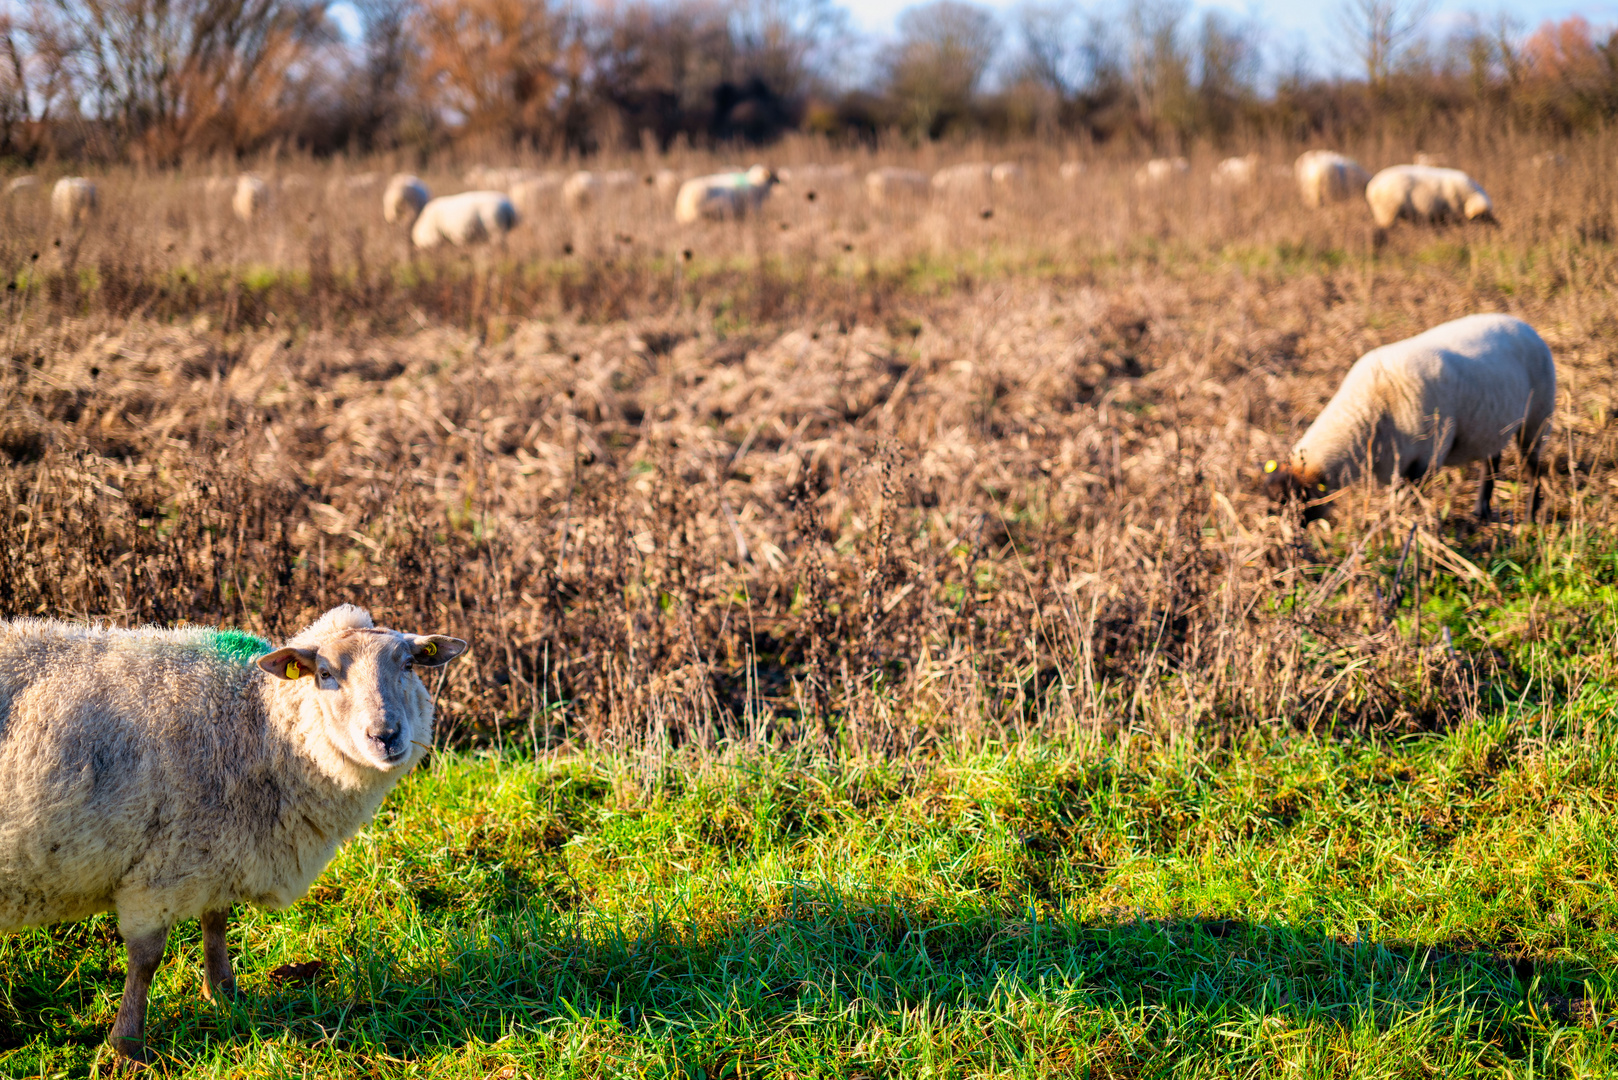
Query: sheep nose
387	735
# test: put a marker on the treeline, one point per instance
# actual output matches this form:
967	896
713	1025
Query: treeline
160	81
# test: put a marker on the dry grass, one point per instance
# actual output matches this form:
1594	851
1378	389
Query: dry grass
886	480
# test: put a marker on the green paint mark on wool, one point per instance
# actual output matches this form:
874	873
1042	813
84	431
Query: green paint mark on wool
237	646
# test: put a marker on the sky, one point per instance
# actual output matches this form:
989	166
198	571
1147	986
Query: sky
1289	24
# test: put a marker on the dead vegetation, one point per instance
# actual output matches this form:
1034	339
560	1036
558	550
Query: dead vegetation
832	478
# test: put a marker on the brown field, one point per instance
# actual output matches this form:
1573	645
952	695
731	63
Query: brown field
885	478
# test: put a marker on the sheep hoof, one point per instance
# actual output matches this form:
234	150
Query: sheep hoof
131	1057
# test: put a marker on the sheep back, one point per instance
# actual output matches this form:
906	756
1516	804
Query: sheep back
1327	177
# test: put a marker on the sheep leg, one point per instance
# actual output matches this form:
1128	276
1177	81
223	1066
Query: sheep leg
129	1028
1486	489
217	976
1533	472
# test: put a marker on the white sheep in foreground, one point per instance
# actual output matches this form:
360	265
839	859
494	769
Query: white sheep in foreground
889	186
168	774
404	198
1428	194
1455	394
471	217
251	196
1235	172
723	196
1327	177
73	200
1160	171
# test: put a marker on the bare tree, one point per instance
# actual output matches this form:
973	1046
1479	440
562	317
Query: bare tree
944	50
1159	64
496	65
1378	31
1068	51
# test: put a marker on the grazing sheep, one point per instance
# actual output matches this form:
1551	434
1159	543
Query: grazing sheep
168	774
968	180
1161	171
817	176
403	199
889	186
723	196
483	177
1007	174
1235	172
1426	193
1070	170
667	183
1455	394
1327	177
534	194
1550	160
581	191
21	183
73	200
1436	160
252	195
471	217
340	186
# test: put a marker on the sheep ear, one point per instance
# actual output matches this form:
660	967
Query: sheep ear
436	650
289	663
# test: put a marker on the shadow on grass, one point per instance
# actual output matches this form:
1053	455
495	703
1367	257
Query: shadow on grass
821	956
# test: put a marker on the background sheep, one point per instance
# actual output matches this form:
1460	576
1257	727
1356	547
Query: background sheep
1236	172
1454	394
1070	170
1425	193
251	196
889	185
968	180
581	191
1327	177
723	195
667	183
471	217
21	183
1161	171
404	198
168	774
73	200
1007	174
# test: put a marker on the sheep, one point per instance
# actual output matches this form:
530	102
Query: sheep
468	218
968	180
536	193
1426	193
888	186
666	182
1007	174
1235	172
250	198
168	774
581	191
723	195
1452	395
1326	177
73	200
1161	171
1436	160
1545	160
1070	171
404	198
484	177
21	183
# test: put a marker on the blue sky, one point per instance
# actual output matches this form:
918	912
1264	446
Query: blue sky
1289	24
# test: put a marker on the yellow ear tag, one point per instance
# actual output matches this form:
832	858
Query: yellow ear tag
1320	487
293	670
1269	466
431	648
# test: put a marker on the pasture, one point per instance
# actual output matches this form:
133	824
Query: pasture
882	662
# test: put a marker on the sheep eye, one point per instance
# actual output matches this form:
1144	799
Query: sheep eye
324	674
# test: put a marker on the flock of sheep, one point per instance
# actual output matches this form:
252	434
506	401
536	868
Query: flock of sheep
1424	191
169	774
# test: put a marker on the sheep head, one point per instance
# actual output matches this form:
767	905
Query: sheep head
1285	482
360	683
1479	208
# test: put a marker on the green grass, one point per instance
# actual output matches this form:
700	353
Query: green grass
1442	905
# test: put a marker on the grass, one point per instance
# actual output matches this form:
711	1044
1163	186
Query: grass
882	665
1442	904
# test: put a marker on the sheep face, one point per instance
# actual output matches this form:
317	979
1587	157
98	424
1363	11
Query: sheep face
1285	483
362	688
